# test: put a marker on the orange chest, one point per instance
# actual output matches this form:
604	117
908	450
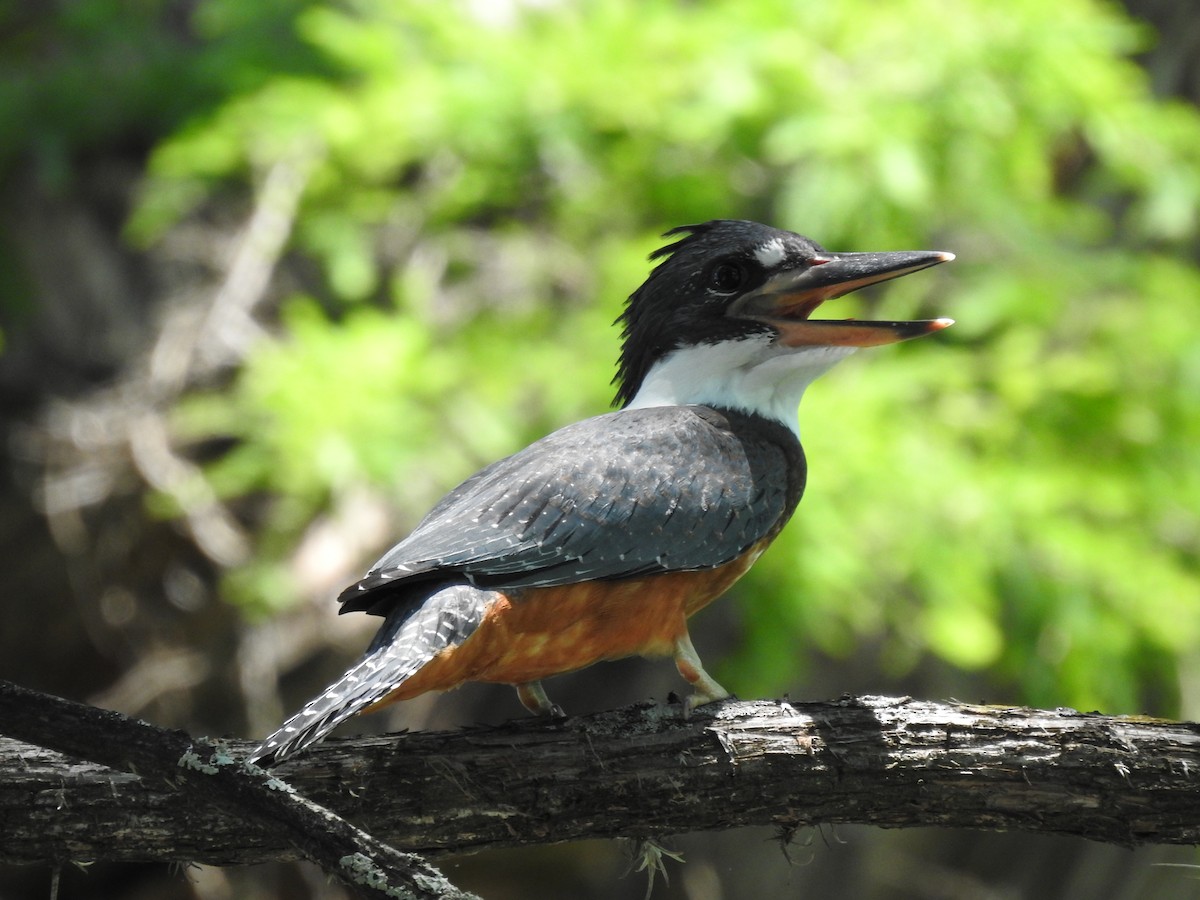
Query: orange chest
535	633
610	619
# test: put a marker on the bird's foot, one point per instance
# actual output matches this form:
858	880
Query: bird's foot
533	697
707	690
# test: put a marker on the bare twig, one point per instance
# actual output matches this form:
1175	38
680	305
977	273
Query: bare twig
91	445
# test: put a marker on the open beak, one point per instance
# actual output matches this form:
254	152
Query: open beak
787	300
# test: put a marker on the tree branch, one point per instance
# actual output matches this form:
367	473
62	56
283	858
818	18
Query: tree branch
642	771
199	784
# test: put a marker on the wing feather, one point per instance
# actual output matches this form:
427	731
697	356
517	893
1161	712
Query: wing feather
624	494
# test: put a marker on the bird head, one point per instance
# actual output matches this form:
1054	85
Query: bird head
725	319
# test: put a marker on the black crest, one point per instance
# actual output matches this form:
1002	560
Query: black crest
678	304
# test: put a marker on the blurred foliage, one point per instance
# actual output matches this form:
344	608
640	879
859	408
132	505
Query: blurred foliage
1017	495
75	77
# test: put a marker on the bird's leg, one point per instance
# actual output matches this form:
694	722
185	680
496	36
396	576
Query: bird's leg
688	663
533	697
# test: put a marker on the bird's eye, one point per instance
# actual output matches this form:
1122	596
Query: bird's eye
726	277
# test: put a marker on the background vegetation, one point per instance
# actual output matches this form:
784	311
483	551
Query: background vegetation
279	274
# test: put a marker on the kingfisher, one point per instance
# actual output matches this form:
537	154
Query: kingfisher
600	540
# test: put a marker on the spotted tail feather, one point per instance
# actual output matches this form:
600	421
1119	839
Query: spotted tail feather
407	640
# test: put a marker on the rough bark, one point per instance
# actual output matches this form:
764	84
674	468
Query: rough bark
203	782
638	771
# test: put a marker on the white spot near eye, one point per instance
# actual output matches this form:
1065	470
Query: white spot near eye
771	253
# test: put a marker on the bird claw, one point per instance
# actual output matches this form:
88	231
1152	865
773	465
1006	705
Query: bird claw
533	698
693	701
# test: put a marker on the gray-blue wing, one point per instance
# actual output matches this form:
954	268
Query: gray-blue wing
623	494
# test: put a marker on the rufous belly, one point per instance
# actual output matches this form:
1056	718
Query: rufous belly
534	633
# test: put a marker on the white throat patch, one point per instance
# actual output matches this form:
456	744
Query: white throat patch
752	374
